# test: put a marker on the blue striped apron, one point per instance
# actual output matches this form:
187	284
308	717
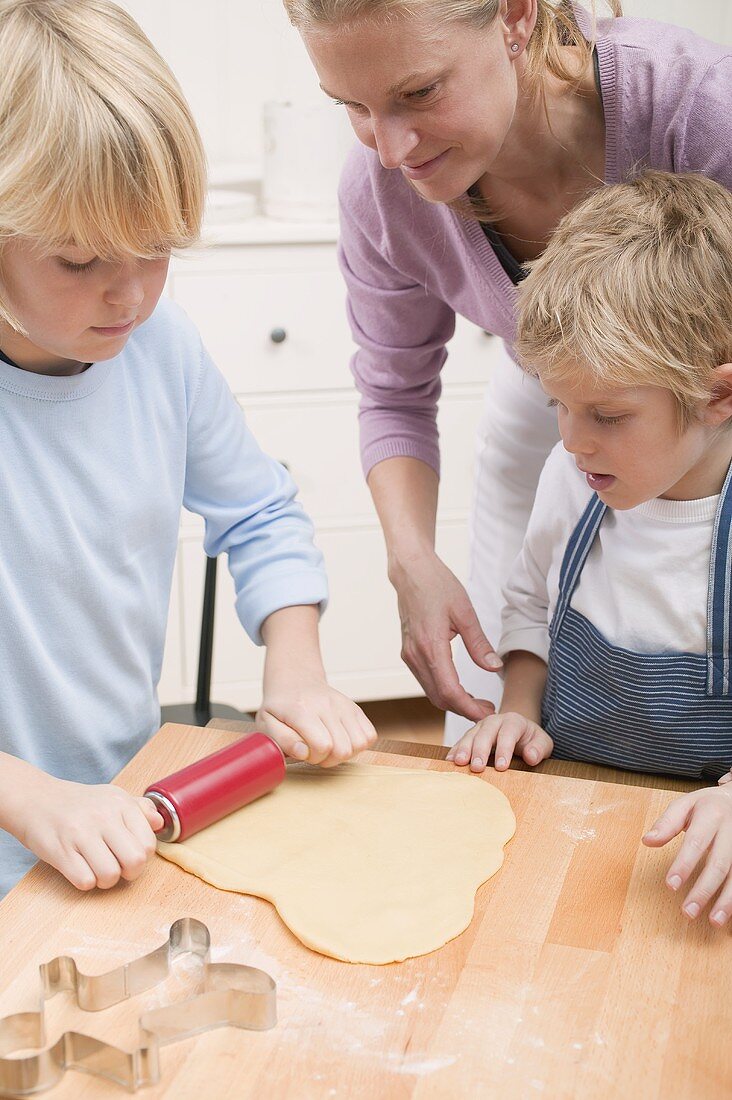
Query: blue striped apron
667	712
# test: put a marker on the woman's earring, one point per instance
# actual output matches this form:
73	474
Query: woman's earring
515	47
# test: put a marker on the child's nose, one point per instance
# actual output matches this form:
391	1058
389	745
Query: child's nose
575	438
127	289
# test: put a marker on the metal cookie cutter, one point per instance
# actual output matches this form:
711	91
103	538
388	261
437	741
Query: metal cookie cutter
231	996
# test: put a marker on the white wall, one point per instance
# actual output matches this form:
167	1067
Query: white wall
233	55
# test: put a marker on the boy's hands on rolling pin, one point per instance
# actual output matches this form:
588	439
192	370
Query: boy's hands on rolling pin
312	721
93	835
307	718
706	818
503	735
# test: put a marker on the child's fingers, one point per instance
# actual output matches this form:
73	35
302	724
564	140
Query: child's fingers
359	731
483	743
130	853
341	743
141	828
103	863
673	821
75	868
722	908
511	730
152	815
535	745
727	778
462	750
716	871
309	741
368	732
699	835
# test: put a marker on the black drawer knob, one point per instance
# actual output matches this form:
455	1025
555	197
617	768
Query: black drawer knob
278	335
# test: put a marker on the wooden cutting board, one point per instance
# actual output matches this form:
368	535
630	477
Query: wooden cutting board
578	977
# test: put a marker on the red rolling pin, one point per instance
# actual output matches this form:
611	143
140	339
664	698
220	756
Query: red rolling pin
211	788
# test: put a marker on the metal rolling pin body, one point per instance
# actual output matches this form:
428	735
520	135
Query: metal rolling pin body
211	788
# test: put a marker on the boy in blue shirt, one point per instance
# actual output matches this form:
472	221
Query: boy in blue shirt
112	417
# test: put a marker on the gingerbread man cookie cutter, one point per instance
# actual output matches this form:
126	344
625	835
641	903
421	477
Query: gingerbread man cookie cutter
230	995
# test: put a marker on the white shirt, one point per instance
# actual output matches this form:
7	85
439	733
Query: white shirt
644	583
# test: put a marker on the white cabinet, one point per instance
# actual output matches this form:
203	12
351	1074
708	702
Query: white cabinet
301	404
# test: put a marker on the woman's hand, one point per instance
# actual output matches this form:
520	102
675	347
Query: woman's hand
706	817
312	721
503	735
434	608
93	835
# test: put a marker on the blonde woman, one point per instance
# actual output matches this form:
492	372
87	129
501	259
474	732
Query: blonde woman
112	417
481	123
616	630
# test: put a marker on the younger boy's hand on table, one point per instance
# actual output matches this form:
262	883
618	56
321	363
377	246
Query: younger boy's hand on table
706	818
94	835
312	721
503	735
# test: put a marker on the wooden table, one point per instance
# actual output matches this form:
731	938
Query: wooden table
578	977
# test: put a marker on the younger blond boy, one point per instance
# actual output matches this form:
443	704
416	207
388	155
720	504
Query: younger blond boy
617	629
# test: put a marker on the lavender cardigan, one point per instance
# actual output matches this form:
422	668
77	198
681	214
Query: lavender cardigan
410	266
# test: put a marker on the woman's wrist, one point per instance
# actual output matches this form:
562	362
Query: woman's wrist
405	557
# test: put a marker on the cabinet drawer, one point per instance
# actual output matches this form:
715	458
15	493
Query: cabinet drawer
272	331
239	299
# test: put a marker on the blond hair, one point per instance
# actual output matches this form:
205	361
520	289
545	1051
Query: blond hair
635	288
97	145
556	26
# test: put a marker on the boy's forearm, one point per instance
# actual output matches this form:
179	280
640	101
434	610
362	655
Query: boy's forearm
18	779
523	684
292	641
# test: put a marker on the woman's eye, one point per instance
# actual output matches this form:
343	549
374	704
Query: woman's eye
349	106
422	93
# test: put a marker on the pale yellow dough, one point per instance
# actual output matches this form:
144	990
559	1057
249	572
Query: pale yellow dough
364	863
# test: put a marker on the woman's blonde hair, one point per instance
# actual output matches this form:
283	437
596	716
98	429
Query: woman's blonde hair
97	145
556	26
634	289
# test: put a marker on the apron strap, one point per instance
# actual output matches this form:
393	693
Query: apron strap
719	597
575	556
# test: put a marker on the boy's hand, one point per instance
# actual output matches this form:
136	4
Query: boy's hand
504	735
93	835
312	721
706	817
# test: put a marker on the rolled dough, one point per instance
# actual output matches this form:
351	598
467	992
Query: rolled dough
363	863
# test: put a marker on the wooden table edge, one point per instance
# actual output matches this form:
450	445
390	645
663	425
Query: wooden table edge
571	769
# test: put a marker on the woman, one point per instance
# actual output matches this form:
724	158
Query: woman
482	122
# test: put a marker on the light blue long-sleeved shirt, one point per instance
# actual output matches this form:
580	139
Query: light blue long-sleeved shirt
93	472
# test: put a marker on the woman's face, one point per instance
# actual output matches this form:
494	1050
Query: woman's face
435	102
